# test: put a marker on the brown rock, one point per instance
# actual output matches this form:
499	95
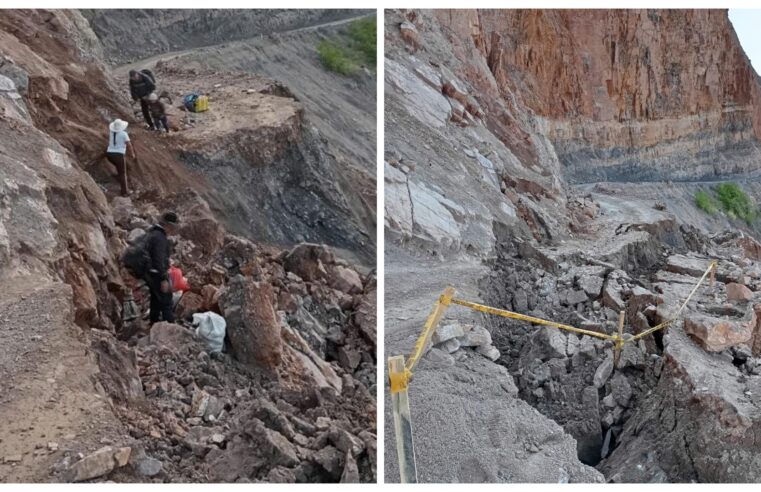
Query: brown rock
738	292
309	261
97	464
170	335
717	334
118	373
199	226
252	326
210	294
189	303
277	449
410	35
345	279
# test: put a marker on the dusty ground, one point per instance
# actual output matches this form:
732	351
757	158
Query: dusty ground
53	401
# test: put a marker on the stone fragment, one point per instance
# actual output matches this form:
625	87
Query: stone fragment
450	346
620	389
440	357
603	372
170	335
309	261
189	303
591	285
351	471
410	34
148	467
738	292
330	459
573	297
122	456
345	279
94	465
488	351
477	336
447	332
716	334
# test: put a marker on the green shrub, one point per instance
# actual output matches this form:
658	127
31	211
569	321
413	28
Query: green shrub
731	200
364	33
706	202
346	54
736	203
336	58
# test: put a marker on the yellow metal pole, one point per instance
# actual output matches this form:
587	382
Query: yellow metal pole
431	323
400	407
620	342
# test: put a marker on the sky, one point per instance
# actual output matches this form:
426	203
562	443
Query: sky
747	23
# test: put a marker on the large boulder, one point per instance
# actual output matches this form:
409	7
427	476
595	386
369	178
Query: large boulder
252	326
716	334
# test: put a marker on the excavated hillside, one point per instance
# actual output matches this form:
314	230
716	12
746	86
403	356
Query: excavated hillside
546	162
88	397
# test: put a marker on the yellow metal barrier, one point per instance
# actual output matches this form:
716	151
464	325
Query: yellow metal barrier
400	372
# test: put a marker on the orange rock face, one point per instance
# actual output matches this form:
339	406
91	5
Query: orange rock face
623	94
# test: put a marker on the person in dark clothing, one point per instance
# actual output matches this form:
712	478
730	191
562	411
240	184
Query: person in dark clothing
159	250
141	85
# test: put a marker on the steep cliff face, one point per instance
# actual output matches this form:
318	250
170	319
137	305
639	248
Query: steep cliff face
629	95
566	147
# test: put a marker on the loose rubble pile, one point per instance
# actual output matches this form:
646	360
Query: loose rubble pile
290	400
572	378
451	337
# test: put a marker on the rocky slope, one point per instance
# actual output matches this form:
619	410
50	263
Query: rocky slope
132	34
89	397
563	149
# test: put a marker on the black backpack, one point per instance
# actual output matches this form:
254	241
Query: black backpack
147	72
136	259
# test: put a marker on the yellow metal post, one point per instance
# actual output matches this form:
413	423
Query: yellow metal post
400	407
620	341
431	323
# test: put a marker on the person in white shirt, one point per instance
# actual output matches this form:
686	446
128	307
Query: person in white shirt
118	145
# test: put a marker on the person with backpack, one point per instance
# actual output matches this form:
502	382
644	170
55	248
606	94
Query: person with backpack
118	145
148	259
141	84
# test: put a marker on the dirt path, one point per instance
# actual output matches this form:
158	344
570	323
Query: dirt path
47	394
123	70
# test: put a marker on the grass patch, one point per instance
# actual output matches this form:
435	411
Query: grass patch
736	203
731	200
347	54
364	34
336	58
706	202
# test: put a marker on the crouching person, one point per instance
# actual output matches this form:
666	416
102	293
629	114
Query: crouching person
158	112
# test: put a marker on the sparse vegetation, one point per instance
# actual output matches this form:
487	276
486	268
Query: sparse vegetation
736	203
364	34
336	58
706	202
346	55
732	200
